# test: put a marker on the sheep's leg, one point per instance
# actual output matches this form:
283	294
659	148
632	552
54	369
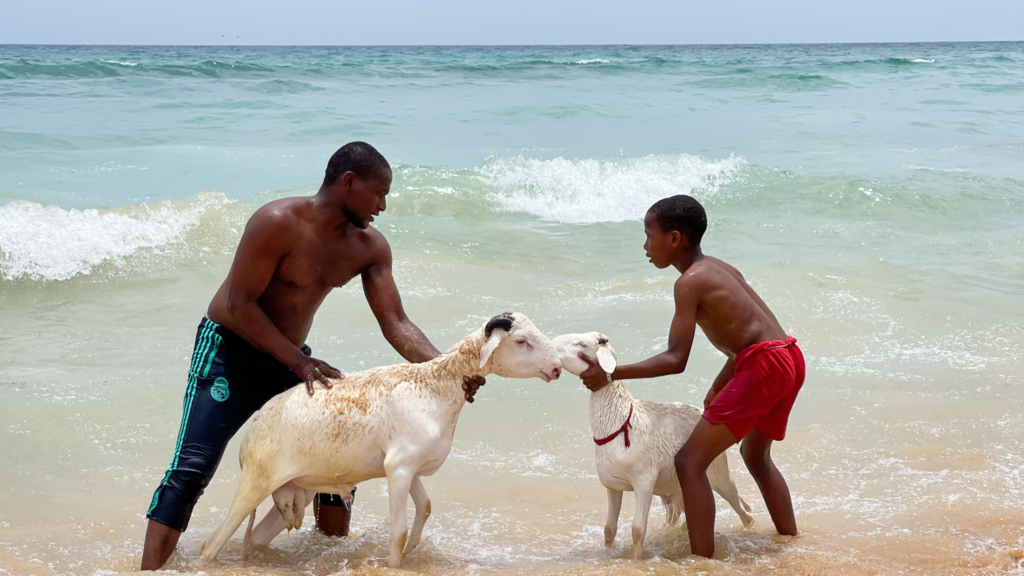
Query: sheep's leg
251	491
611	525
644	494
399	483
247	539
268	528
422	501
722	483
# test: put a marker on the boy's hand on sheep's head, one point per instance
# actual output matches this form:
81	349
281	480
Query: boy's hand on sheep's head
312	371
471	385
594	377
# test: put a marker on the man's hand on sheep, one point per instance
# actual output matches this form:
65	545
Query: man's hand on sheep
312	370
471	385
594	377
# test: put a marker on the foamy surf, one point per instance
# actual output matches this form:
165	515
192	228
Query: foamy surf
51	243
589	191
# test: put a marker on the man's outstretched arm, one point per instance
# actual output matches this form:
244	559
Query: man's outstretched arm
259	252
671	361
406	338
382	295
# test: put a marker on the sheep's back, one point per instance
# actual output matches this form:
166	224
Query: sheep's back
350	411
671	424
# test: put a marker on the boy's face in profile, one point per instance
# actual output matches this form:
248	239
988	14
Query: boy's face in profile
661	246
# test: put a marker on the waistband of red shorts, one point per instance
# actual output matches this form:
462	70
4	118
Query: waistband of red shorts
761	347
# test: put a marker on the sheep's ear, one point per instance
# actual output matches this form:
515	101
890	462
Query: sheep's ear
606	358
490	346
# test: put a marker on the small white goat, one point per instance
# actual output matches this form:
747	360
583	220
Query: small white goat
643	461
395	421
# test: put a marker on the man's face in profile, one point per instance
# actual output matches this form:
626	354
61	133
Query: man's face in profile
366	197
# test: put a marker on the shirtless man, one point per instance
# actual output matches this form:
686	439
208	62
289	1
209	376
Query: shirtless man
752	396
249	347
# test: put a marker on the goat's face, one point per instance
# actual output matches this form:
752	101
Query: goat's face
594	345
515	348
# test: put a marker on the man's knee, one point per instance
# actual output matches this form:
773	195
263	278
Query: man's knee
180	490
173	504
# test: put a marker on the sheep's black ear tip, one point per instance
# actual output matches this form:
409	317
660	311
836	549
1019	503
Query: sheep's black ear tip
602	341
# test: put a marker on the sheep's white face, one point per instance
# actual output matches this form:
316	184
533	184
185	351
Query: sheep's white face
523	352
593	345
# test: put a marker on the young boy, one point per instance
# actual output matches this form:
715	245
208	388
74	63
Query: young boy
752	396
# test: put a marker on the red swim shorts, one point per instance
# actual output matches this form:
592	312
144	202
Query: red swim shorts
761	392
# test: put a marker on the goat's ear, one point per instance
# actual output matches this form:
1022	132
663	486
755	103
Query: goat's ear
606	358
489	346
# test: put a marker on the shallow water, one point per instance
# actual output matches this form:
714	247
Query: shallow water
872	194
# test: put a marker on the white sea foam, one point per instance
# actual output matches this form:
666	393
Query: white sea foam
122	63
922	61
50	243
534	463
589	191
593	61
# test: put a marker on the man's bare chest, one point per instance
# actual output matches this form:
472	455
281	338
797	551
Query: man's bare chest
323	266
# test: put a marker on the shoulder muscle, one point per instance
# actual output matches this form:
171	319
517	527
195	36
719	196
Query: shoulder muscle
380	250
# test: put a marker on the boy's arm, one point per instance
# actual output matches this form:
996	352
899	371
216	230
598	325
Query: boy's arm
720	381
671	361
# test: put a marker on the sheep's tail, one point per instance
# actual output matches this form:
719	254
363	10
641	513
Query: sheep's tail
247	541
745	505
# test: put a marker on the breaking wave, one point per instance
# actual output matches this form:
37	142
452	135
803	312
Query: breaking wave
51	243
589	191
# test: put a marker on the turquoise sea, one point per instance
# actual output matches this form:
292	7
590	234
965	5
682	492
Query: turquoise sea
872	193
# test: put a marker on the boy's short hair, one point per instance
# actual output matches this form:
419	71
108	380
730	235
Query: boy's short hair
358	158
681	213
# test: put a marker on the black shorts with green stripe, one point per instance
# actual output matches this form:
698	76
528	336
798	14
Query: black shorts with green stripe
228	381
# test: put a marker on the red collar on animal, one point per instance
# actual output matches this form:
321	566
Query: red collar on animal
624	430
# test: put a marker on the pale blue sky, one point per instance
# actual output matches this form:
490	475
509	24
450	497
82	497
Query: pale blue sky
506	22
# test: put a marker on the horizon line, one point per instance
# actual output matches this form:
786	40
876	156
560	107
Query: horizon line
130	45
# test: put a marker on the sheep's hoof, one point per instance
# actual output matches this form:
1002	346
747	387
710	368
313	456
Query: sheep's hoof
609	537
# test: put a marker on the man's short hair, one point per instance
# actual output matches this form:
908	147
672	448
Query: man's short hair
358	158
681	213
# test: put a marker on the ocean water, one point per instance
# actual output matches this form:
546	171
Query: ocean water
872	194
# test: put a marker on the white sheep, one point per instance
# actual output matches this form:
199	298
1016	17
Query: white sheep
637	443
395	421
